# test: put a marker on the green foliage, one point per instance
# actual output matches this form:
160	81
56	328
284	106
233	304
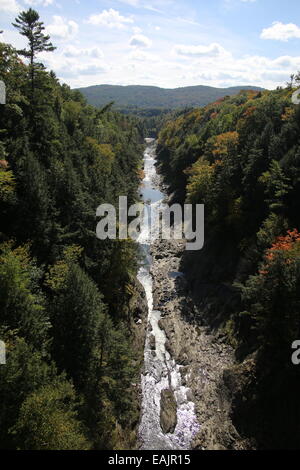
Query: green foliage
64	295
48	420
148	99
246	279
272	295
201	181
57	276
276	186
29	26
21	303
24	372
77	317
7	184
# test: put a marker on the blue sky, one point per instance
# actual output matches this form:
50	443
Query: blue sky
168	43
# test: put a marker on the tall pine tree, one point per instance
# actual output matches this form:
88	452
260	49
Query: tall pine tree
29	26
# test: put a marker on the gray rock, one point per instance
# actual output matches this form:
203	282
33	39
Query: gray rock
168	411
152	342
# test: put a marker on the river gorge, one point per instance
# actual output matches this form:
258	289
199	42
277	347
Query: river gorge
168	418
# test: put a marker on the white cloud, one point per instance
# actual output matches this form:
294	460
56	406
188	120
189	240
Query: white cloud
62	29
133	3
139	40
12	36
91	69
110	18
142	56
281	31
72	51
35	3
136	30
154	6
213	50
9	6
69	68
187	21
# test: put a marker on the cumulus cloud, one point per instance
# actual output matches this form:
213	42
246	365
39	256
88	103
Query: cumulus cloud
110	18
91	69
9	6
12	36
142	56
212	50
35	3
139	40
62	29
72	51
69	67
281	32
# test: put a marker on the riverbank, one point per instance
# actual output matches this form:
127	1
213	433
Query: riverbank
185	403
204	356
167	420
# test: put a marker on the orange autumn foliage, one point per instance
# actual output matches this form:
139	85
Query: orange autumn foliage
288	244
249	111
284	243
288	114
224	142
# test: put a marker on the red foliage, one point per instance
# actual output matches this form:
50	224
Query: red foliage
283	243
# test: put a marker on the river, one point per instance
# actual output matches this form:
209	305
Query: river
160	370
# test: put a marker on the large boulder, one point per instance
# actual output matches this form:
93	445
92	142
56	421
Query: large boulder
168	411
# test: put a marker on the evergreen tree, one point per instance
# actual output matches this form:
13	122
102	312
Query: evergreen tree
27	22
48	420
55	170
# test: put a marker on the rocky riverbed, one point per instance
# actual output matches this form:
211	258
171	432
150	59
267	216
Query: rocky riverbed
203	355
189	378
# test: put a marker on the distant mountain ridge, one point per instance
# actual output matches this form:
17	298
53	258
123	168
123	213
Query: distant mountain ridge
151	97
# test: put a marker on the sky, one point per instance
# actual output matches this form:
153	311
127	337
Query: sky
166	43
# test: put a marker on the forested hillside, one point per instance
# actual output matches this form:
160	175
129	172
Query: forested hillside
66	299
240	156
150	100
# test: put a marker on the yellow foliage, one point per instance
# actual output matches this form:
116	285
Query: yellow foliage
200	181
288	114
22	253
103	153
223	144
7	184
56	277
